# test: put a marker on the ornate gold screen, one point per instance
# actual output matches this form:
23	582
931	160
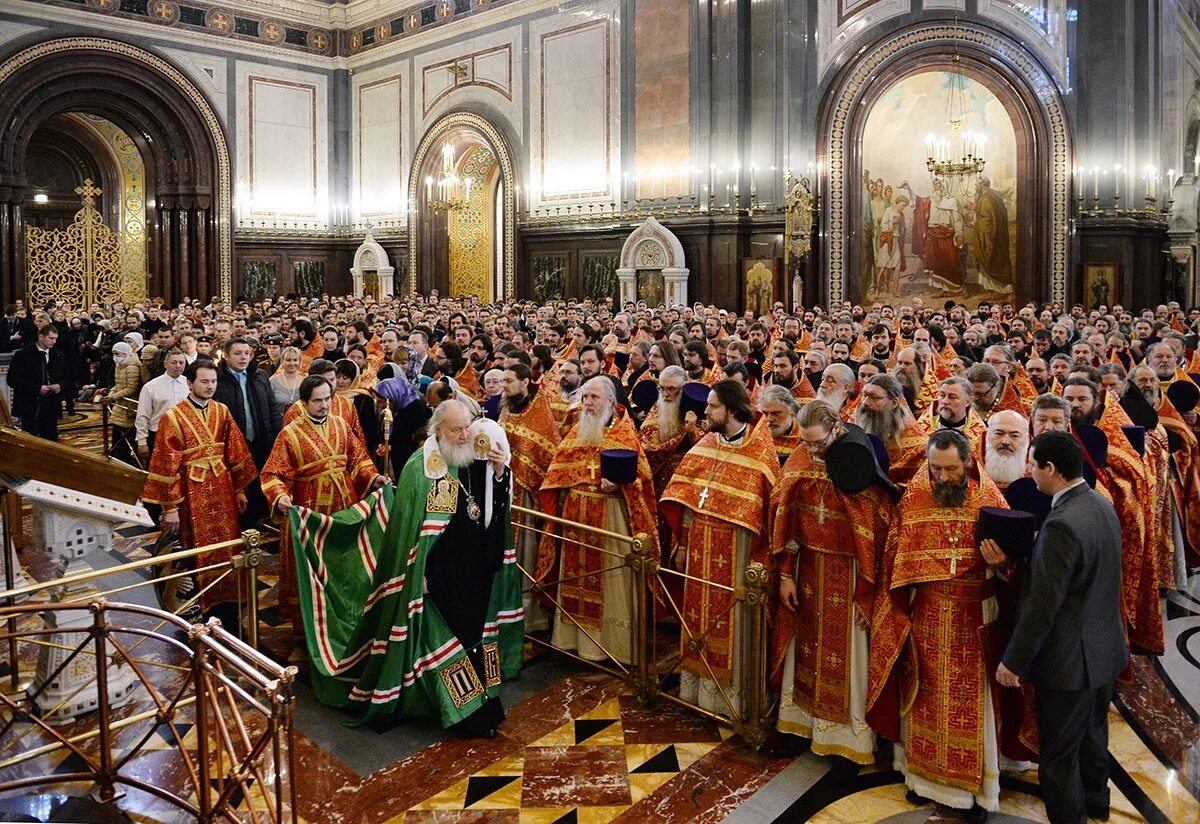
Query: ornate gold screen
79	265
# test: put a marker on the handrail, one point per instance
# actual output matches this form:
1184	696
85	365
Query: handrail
616	536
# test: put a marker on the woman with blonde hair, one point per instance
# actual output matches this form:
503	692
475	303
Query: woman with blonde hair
285	383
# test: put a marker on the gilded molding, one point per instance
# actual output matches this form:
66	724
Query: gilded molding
496	143
1016	60
223	190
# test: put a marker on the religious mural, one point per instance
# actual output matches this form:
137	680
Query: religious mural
918	236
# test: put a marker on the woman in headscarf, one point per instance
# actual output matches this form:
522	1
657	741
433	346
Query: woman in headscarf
349	385
409	416
122	402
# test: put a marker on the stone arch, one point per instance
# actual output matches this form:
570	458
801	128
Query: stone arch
983	50
491	136
175	127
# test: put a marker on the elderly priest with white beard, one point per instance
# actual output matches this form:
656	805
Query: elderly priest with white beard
413	606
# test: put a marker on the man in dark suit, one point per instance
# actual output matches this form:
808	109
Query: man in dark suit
38	376
1069	641
247	392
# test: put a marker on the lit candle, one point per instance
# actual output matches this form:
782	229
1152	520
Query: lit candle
712	174
429	188
1096	182
753	188
1117	181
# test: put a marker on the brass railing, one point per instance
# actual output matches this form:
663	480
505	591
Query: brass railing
237	702
649	674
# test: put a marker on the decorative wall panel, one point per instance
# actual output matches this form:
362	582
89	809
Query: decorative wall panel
490	68
600	277
839	24
309	277
662	95
575	111
379	151
471	236
283	147
258	279
549	277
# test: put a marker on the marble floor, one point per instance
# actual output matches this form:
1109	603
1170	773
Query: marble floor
577	748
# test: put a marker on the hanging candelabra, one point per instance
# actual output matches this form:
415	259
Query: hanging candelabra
450	192
956	160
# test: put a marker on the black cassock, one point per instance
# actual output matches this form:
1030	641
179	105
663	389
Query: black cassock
459	573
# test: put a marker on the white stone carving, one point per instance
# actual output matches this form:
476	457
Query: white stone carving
371	257
655	247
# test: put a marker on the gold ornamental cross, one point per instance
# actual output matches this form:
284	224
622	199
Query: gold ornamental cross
88	192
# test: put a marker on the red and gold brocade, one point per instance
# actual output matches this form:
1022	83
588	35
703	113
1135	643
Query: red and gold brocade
322	467
571	490
665	452
907	456
340	406
1158	460
533	436
785	444
840	539
974	428
200	464
1126	475
929	659
1009	400
315	351
726	487
469	382
1185	480
1024	386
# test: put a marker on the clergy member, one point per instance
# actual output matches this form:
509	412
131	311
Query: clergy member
198	474
779	410
317	463
826	545
599	605
935	604
884	413
717	508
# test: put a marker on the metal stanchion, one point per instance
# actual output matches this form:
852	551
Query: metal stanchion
644	567
199	660
14	675
104	428
755	730
250	559
106	774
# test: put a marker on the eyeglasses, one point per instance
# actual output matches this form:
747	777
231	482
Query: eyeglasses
822	442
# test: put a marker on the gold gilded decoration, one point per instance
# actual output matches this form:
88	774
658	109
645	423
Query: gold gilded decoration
491	664
434	464
458	70
31	55
219	20
319	40
433	138
462	682
443	496
79	265
104	5
445	10
798	219
132	200
272	31
483	445
165	12
355	41
471	258
381	32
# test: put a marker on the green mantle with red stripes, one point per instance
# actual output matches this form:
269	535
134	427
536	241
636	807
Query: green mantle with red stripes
379	648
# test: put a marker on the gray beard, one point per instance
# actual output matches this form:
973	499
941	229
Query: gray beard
782	430
591	429
836	400
950	494
668	417
911	381
1153	396
881	424
1004	468
456	456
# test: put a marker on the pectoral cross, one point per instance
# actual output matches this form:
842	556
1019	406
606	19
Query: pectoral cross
954	564
703	497
821	513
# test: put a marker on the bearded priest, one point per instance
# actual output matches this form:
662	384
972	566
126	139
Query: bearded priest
935	607
598	601
420	613
717	508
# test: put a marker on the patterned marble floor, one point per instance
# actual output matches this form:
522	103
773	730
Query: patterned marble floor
577	748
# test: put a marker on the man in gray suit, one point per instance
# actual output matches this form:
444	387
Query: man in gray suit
1069	641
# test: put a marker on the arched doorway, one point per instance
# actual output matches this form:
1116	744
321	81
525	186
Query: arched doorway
1041	153
163	115
466	247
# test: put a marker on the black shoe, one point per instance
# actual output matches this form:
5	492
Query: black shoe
917	800
1098	813
843	770
975	815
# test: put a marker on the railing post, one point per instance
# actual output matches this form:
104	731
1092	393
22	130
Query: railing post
755	731
99	635
249	560
203	786
104	428
10	578
645	568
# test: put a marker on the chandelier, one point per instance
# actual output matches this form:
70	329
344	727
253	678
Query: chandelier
956	159
450	192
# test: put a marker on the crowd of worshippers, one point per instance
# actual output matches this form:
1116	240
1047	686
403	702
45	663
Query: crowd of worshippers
876	458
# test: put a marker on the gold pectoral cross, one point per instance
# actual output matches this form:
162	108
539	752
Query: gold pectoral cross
703	497
954	564
821	513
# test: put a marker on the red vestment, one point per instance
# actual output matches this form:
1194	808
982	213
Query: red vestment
339	406
200	464
322	467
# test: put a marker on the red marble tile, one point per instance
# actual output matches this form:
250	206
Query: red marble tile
709	790
575	777
462	817
1158	714
664	723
